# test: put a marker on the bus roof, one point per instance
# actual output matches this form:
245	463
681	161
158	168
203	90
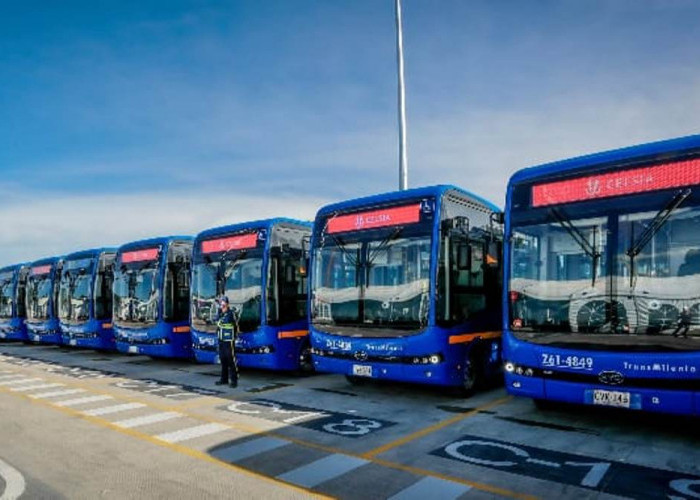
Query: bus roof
257	224
13	267
650	151
160	240
93	252
403	195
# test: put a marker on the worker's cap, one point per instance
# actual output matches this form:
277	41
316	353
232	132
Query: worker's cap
223	300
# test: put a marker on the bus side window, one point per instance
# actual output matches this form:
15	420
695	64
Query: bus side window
286	286
103	287
169	294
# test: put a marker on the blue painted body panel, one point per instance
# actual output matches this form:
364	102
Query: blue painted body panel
158	340
432	340
628	364
286	352
13	328
47	331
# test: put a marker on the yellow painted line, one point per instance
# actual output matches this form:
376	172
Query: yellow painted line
468	337
255	431
433	428
163	444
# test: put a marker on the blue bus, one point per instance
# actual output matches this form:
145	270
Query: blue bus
85	299
261	267
13	284
603	279
406	286
41	300
151	297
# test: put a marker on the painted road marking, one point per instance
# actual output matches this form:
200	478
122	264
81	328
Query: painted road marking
8	377
153	418
19	381
35	387
240	451
54	394
192	432
432	487
322	470
14	482
108	410
87	399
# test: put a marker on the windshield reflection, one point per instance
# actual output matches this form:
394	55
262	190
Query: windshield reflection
239	277
6	295
136	296
74	293
378	280
654	287
38	297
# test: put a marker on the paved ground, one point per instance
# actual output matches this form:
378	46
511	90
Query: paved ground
82	424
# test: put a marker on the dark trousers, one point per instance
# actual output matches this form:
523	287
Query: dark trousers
228	362
684	327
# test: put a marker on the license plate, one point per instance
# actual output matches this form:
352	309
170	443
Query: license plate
37	338
133	349
72	342
362	370
617	399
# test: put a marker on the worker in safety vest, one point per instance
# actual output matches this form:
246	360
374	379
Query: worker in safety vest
226	330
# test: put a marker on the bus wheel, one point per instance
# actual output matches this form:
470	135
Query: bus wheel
472	375
306	364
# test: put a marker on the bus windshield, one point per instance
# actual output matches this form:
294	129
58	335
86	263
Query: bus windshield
136	294
615	279
6	294
239	277
74	291
375	280
39	289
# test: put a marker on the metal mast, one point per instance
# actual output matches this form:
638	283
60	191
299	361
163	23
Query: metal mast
403	157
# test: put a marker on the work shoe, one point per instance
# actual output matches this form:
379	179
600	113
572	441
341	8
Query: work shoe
220	382
233	384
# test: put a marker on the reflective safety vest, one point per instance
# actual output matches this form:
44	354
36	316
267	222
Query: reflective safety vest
225	326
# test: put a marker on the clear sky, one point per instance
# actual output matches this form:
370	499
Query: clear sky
125	119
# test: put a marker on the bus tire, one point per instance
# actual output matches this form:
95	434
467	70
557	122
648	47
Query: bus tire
306	363
472	375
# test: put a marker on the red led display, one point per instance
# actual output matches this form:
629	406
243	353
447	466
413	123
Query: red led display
238	242
407	214
635	180
140	255
41	270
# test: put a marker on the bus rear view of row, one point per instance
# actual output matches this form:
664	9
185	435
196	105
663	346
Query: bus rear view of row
151	297
13	284
603	274
261	267
406	286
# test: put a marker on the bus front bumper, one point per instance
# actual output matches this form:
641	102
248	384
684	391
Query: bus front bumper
160	350
443	373
13	333
684	402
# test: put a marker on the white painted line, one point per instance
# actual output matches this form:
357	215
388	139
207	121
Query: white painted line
192	432
432	487
53	394
322	470
241	451
8	377
87	399
35	387
153	418
14	482
107	410
19	381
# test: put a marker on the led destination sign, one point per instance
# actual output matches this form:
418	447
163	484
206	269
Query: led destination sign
238	242
140	255
407	214
41	270
623	182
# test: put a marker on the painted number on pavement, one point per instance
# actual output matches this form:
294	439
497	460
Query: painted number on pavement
165	390
341	424
606	476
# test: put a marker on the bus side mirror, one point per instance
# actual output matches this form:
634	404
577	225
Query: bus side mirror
464	256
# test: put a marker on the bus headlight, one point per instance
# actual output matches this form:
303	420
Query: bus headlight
509	367
434	359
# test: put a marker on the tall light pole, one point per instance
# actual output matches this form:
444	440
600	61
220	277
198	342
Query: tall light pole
403	157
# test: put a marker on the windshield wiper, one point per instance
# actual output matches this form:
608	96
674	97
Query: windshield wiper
588	248
383	245
654	226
